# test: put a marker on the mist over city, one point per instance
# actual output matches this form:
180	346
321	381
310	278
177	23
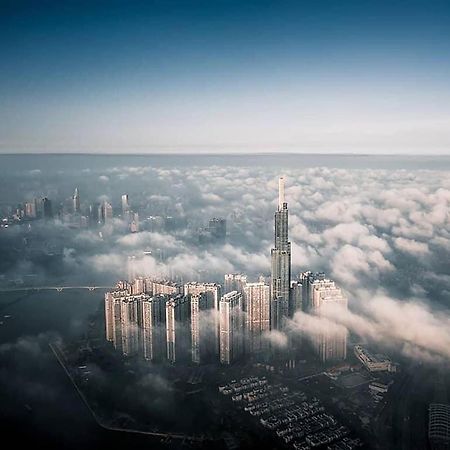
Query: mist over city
381	235
225	224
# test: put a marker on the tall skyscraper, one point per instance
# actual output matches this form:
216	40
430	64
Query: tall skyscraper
257	315
107	212
47	208
125	205
330	343
231	330
76	201
281	264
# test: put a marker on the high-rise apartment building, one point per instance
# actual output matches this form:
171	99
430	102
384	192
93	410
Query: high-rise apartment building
307	279
129	324
203	332
123	317
178	333
231	327
138	286
153	322
330	343
256	315
213	293
281	264
296	297
165	287
235	282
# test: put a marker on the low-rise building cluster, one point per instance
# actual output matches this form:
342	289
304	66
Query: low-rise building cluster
300	423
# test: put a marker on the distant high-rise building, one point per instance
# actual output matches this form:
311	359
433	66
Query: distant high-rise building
94	217
47	208
134	221
178	328
330	342
231	327
218	229
257	315
101	214
125	205
296	298
107	212
153	322
281	264
235	282
30	209
76	201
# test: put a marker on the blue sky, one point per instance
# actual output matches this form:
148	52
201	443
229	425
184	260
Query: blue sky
224	76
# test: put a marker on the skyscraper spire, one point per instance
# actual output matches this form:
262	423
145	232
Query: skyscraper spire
280	193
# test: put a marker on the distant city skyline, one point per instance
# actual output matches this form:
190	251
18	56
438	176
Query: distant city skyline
225	77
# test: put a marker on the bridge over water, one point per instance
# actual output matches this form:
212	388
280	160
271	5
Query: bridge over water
53	288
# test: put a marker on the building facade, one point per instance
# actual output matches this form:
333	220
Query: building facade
153	323
330	342
256	316
231	327
178	333
235	282
213	292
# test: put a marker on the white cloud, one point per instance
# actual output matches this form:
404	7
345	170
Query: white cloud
411	246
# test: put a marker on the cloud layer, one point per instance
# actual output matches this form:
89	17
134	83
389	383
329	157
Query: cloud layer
383	235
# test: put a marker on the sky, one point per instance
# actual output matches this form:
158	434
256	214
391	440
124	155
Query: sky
224	76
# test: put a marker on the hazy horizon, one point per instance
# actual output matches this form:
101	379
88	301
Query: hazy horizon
177	152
